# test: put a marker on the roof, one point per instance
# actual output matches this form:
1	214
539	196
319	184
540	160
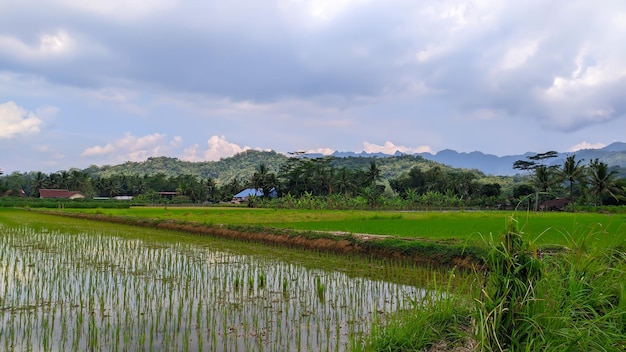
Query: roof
253	192
249	192
60	193
556	203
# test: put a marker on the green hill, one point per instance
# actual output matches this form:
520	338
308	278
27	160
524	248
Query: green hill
243	165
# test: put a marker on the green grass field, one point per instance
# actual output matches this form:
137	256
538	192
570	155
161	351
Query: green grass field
605	230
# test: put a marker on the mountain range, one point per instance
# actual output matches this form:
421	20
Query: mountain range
614	155
243	165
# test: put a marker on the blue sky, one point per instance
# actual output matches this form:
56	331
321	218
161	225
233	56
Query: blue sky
97	82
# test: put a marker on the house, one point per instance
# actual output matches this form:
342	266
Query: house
244	195
168	195
557	204
123	197
60	194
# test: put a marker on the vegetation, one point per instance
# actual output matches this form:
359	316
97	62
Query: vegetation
555	228
574	300
399	182
554	281
120	288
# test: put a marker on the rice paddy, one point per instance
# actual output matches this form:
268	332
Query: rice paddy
75	285
545	228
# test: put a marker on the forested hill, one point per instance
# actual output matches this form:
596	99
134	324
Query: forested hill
243	165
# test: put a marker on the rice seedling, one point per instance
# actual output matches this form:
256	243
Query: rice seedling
69	285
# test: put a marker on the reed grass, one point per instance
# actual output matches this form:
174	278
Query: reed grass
528	300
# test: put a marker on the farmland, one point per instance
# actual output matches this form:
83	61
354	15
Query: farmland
80	285
148	288
542	228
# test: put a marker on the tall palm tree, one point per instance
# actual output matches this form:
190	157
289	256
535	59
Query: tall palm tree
40	181
602	180
572	172
344	181
264	180
373	173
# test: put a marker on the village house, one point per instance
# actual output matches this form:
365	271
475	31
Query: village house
557	204
244	195
60	194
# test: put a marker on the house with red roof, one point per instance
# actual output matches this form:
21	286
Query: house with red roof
60	194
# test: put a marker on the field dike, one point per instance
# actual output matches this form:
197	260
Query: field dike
450	253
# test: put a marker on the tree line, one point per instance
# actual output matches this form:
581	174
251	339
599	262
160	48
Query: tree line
585	184
318	182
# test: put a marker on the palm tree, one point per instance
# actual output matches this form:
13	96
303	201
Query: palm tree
344	181
373	173
264	180
79	181
40	181
602	180
543	179
572	172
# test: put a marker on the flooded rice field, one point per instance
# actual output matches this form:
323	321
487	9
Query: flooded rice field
84	286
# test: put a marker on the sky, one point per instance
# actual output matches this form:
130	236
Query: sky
101	82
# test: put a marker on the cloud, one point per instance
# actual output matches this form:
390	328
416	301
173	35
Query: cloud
390	148
131	147
323	151
307	73
586	145
219	147
118	9
15	120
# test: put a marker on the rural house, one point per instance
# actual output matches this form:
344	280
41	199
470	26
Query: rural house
557	204
60	194
244	195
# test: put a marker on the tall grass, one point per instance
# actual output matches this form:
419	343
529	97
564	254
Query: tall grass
441	319
504	313
527	300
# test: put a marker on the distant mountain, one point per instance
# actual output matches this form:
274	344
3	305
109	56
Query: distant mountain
243	165
487	163
614	155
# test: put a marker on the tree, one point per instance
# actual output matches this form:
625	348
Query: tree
344	181
79	181
543	177
491	189
572	172
264	180
602	180
436	180
415	179
40	181
373	173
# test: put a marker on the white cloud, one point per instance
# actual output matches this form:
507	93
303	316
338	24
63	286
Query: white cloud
323	151
586	145
219	147
99	150
191	154
519	55
15	120
50	45
131	147
390	148
176	141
